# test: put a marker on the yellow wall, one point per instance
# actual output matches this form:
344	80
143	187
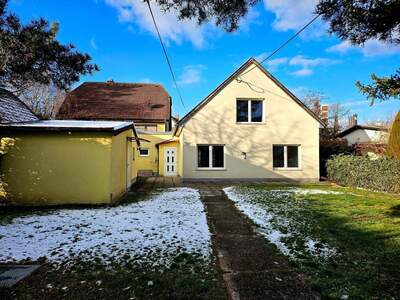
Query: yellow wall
62	168
149	162
119	157
285	123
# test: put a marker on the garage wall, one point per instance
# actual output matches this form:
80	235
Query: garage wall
58	168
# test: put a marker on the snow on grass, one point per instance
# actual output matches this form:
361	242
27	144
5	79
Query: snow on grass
150	231
274	220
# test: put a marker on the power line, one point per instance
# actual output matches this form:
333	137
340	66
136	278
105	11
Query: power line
285	43
166	56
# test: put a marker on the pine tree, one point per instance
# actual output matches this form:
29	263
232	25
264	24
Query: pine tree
393	149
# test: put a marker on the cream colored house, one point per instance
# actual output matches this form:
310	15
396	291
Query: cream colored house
250	128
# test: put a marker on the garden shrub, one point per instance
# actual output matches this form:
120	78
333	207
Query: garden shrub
381	174
393	149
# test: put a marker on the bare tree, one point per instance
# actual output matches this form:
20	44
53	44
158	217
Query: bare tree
313	100
43	100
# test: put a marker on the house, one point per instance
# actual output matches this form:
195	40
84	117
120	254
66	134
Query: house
250	127
147	105
13	110
63	162
358	134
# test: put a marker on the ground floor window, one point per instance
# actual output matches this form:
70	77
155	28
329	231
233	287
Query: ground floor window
285	156
144	151
210	156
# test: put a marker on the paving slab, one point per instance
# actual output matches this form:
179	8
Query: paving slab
12	274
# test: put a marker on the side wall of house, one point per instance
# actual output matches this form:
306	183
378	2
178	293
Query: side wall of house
365	136
248	147
58	168
121	160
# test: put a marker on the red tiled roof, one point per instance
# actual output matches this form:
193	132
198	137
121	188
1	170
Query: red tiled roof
117	101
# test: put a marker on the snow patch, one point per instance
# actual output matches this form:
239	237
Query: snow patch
264	218
151	231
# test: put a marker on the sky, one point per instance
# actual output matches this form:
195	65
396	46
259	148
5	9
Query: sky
121	39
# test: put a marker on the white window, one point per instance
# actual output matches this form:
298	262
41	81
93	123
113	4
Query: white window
210	157
249	111
144	151
286	156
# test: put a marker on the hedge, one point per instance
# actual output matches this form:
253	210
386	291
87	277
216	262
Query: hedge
381	174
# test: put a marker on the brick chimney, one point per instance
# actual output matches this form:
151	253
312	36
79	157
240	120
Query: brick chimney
325	113
352	121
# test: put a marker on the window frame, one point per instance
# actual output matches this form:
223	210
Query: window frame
210	157
285	157
144	155
249	101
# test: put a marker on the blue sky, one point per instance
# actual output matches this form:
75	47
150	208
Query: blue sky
119	36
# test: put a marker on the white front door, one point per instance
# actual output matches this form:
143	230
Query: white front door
170	163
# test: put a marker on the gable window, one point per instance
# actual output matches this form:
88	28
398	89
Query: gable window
285	156
249	111
210	157
144	151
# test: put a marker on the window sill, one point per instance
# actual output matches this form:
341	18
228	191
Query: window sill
288	169
211	169
251	123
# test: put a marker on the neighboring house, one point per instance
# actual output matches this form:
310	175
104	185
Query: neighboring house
250	127
13	110
147	105
365	134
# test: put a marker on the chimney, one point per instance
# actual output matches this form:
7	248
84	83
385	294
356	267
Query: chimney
325	113
110	81
352	120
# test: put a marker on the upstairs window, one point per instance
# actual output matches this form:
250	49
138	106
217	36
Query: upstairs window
249	111
285	156
210	156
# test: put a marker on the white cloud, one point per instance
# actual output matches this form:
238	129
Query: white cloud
302	72
191	74
369	49
93	44
171	29
294	14
303	65
300	60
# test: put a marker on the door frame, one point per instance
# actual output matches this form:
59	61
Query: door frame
175	161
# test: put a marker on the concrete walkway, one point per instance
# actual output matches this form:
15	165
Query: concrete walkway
252	267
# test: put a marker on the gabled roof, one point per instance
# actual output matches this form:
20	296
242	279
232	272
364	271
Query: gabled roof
13	110
233	77
365	127
117	101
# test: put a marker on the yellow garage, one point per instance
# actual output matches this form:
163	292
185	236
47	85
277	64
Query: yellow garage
67	162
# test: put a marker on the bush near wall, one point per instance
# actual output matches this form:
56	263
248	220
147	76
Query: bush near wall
360	171
330	147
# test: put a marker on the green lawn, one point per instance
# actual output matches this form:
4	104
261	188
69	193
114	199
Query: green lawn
361	228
